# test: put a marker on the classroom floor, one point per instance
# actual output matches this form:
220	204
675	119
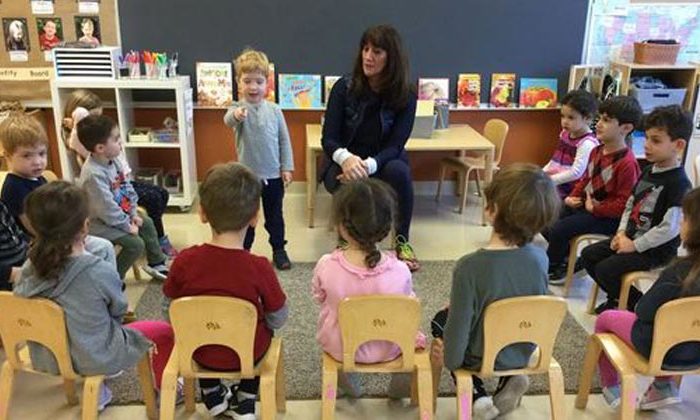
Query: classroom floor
438	233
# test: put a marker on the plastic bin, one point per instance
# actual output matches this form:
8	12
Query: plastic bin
652	98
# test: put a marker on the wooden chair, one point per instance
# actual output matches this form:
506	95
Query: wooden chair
529	319
496	131
576	244
390	318
675	322
696	171
49	175
633	277
227	322
42	321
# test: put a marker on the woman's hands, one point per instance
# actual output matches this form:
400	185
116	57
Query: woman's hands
354	168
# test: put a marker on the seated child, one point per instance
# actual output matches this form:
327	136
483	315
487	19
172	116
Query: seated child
363	215
598	199
13	249
229	201
680	279
576	141
87	288
153	198
648	234
25	143
113	200
520	202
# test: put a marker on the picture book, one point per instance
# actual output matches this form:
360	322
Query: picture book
437	89
502	90
271	83
538	93
299	91
469	89
214	84
328	82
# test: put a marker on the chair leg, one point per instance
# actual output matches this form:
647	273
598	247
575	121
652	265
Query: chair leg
465	189
425	394
443	172
7	377
280	383
91	393
573	254
414	387
478	183
137	272
629	396
590	360
268	390
147	387
168	389
593	298
556	391
464	396
189	394
329	389
69	389
625	287
436	368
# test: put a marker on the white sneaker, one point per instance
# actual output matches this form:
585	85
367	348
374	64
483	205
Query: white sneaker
508	398
483	409
157	272
105	397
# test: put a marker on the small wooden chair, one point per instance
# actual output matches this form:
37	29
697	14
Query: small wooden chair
528	319
633	277
575	245
496	131
227	322
675	322
42	321
389	318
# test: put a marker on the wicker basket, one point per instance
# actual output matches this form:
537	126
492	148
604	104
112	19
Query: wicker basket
649	53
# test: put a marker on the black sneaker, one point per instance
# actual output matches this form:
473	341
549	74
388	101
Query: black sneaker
217	401
557	274
608	304
579	265
244	410
281	259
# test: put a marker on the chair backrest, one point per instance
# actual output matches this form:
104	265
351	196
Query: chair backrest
215	320
525	319
49	175
696	171
496	131
676	322
379	317
39	320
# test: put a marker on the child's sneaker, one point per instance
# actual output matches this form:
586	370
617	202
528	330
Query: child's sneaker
404	252
105	397
242	409
167	247
612	395
216	399
156	271
661	393
557	274
510	392
483	409
281	259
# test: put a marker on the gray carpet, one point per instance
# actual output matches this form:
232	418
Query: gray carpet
302	355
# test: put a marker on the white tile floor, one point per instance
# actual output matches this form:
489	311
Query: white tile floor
438	233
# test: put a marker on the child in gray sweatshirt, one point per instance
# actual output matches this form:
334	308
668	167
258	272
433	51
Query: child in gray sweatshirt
263	145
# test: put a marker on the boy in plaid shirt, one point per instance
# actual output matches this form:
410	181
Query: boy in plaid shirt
598	199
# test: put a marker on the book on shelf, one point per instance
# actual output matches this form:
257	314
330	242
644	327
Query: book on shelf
469	89
502	90
214	84
435	89
299	91
328	82
270	96
538	93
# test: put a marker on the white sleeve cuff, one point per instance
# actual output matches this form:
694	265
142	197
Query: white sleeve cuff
371	165
340	155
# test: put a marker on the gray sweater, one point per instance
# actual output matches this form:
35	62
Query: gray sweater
479	279
262	139
113	201
89	291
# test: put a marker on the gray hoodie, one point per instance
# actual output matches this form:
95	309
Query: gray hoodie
89	291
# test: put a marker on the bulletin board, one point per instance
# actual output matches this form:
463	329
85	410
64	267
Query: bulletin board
29	79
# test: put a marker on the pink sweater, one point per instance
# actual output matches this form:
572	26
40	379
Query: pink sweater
335	278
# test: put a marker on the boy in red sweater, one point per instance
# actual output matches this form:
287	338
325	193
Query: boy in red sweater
598	199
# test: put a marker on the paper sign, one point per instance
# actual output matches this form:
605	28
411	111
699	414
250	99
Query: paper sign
19	56
89	7
42	7
26	73
425	108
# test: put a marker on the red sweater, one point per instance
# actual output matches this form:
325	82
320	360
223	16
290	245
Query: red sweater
609	179
215	271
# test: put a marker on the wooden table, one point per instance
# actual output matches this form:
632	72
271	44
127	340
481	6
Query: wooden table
457	138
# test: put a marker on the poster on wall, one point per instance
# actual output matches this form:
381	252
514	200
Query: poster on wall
50	35
42	7
16	38
87	30
89	7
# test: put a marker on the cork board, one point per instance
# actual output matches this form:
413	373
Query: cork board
29	80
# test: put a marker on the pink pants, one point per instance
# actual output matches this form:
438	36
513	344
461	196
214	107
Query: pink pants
161	334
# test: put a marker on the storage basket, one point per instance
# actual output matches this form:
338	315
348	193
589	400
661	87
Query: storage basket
652	53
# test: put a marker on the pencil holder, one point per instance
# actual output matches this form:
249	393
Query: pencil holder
134	69
151	72
162	69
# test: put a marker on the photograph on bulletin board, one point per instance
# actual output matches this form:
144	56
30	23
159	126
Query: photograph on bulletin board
16	35
50	32
87	29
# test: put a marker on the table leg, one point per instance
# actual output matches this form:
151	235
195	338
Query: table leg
310	184
488	176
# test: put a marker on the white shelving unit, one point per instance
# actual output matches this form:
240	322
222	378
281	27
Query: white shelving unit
122	92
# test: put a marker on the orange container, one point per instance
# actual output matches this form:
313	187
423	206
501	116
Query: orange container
648	53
